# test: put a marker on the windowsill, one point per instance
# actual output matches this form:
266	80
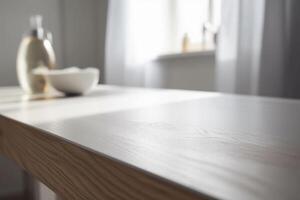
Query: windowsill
191	54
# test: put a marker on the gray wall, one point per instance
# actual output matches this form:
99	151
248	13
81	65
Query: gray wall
11	178
84	29
78	29
14	21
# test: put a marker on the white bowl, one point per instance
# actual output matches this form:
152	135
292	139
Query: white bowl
73	80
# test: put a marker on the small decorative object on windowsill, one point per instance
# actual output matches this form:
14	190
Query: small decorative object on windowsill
185	43
208	43
209	36
35	51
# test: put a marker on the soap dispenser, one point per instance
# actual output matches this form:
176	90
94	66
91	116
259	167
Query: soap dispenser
35	51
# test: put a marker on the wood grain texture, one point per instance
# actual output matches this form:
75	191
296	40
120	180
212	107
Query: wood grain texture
157	142
77	173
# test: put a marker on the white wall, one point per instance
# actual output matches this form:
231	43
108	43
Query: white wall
191	73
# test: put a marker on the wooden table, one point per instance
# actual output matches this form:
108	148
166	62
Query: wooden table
129	143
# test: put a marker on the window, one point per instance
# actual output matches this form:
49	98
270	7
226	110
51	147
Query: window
151	28
194	22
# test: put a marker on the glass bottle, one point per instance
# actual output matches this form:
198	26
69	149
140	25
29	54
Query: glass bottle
35	51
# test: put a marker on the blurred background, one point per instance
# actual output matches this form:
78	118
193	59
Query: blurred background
241	46
238	46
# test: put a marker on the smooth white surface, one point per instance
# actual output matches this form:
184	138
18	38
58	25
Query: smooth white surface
226	146
104	99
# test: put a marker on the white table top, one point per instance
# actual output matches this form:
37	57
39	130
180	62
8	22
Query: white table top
223	146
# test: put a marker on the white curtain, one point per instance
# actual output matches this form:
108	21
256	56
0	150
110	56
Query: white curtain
259	48
136	33
239	47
